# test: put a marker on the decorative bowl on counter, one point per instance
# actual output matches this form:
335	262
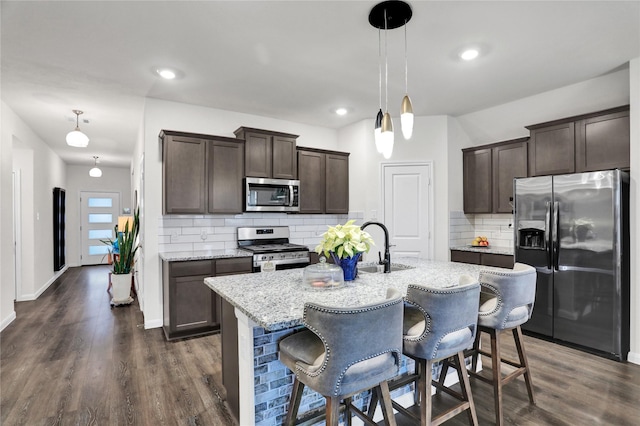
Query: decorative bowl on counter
323	275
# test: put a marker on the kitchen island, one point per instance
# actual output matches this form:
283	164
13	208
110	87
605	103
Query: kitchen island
260	309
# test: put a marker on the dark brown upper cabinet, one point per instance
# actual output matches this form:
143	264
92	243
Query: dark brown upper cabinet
476	176
225	172
201	173
269	154
552	150
488	173
603	142
509	162
337	183
324	181
588	142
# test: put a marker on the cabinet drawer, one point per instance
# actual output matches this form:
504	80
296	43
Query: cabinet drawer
497	260
235	265
190	268
465	257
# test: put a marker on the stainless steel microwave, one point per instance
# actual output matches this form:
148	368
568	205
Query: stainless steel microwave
271	195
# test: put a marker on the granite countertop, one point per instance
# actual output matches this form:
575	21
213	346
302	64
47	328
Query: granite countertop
493	250
275	300
204	254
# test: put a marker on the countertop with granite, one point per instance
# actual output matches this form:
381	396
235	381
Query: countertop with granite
275	300
203	254
490	249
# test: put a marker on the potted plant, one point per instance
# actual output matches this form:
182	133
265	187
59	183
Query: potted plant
127	239
345	243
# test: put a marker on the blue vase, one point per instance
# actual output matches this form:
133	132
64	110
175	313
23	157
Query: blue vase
349	265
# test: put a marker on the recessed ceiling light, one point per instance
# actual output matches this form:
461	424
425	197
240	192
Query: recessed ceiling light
166	73
469	54
341	111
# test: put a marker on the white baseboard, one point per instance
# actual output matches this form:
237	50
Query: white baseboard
8	320
153	324
634	358
34	296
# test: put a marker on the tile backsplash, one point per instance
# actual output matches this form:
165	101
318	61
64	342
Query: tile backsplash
218	232
498	228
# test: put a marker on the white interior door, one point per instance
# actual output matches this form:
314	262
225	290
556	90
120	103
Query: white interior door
408	209
99	215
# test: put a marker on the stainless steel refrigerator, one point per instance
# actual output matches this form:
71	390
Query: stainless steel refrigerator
574	229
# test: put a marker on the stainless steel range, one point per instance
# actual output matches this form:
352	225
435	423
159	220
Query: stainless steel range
271	244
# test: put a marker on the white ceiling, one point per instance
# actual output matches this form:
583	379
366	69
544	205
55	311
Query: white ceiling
292	60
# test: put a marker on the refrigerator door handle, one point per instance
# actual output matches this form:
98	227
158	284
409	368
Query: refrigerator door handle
554	234
549	243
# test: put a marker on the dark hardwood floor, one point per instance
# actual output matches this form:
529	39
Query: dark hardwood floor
69	359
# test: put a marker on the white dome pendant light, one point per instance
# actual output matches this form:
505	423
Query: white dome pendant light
76	138
95	171
406	109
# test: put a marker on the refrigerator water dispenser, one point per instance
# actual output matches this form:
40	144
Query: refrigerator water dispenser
531	234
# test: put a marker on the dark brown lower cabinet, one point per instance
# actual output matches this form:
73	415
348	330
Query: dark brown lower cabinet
486	259
190	307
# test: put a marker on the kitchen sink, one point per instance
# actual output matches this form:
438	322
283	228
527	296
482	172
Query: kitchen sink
374	268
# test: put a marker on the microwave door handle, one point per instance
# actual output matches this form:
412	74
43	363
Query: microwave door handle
290	195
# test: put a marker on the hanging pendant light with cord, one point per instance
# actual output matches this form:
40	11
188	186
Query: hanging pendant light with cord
406	109
75	137
386	137
377	132
389	15
95	171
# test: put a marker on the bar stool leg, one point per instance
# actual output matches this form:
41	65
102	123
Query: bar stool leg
347	411
465	387
475	352
517	335
333	410
497	375
294	404
424	388
387	408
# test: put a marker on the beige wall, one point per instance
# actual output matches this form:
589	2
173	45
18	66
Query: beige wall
40	170
113	179
428	144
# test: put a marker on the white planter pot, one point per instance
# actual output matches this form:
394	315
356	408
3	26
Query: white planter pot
121	289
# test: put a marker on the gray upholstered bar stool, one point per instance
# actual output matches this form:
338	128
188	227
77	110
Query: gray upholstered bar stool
506	302
440	323
345	351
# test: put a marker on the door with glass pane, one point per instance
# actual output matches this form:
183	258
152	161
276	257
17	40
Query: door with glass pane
99	215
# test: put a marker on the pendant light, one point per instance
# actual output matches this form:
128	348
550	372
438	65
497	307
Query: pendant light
406	109
377	132
389	15
95	172
76	138
386	137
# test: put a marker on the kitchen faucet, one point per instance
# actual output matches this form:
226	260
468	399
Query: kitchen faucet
387	255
